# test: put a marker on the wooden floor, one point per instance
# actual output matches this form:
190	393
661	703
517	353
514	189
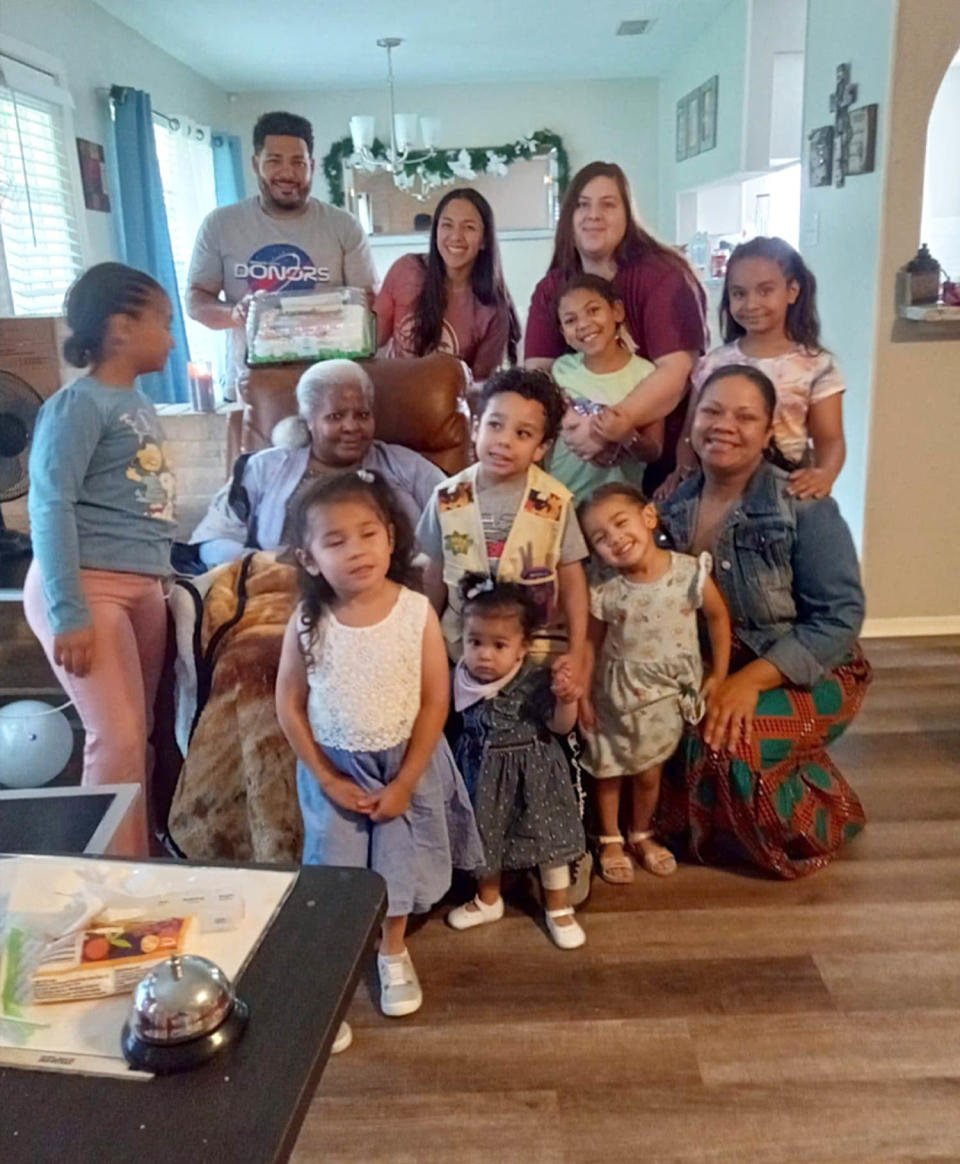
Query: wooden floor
711	1016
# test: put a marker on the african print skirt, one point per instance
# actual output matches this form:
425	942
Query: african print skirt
781	804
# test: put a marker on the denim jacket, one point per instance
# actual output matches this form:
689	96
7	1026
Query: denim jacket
788	570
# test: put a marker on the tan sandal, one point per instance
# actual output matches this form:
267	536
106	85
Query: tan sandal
615	870
661	862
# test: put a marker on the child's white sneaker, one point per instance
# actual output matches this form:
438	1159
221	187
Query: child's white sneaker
343	1040
400	991
475	913
567	937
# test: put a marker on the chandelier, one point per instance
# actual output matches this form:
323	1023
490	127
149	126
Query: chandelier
412	137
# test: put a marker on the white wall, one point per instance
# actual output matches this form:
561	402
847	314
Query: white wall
840	228
740	46
99	51
776	26
941	177
613	121
721	49
912	523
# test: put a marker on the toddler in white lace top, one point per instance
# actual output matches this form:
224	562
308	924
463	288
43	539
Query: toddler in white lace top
362	696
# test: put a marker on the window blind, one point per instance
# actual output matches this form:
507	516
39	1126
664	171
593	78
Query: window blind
41	253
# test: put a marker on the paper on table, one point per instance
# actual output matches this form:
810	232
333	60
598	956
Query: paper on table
85	1036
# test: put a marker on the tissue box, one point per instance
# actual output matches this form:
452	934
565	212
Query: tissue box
310	325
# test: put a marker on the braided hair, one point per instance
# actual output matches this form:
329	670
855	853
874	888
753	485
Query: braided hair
101	292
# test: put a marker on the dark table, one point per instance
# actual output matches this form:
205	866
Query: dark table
246	1105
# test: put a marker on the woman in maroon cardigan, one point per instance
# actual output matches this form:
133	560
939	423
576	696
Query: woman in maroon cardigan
665	304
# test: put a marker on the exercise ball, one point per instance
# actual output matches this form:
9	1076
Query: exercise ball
35	743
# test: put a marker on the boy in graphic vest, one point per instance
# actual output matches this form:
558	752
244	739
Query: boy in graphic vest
507	518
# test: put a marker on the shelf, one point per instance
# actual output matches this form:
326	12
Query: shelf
930	313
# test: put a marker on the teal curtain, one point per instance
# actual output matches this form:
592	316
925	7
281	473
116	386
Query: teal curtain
144	234
227	167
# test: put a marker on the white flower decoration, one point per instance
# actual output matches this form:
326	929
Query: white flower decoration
460	165
496	164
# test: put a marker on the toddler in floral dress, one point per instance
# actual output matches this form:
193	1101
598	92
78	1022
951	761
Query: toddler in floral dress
647	670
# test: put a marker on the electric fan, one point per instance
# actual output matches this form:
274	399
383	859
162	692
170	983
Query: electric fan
19	405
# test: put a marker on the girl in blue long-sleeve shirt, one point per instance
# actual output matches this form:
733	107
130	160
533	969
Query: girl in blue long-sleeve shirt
101	515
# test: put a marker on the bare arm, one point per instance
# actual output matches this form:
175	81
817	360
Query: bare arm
568	667
731	710
654	398
538	364
385	307
647	442
687	460
434	586
208	308
718	629
825	424
564	717
291	700
427	727
596	632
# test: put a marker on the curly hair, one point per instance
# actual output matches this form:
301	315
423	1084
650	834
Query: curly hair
484	597
316	593
531	385
281	124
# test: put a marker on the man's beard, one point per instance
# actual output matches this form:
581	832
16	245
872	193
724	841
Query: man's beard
271	202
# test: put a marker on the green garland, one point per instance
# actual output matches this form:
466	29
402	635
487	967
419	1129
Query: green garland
439	166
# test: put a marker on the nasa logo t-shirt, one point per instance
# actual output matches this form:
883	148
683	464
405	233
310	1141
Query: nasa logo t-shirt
240	250
280	267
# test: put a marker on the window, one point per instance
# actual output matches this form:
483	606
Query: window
189	194
40	246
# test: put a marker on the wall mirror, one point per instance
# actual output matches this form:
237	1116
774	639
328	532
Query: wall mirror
526	197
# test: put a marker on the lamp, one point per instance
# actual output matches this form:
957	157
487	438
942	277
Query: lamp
407	132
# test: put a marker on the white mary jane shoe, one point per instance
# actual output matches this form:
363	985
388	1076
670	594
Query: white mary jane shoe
475	913
566	937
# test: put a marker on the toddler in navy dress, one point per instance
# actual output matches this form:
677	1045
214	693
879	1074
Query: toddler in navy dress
515	769
362	696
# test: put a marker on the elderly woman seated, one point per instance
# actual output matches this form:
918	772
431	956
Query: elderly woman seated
236	798
755	781
332	434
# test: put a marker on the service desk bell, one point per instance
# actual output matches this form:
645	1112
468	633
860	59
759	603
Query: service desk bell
184	1011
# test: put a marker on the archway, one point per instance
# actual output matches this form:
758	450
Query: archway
940	220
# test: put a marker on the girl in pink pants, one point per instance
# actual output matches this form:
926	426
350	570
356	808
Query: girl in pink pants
101	518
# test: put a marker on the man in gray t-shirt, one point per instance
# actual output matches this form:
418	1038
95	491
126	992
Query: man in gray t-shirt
280	240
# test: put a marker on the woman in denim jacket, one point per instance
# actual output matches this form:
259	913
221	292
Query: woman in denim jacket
754	781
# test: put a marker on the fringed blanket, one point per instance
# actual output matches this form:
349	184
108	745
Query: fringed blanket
237	794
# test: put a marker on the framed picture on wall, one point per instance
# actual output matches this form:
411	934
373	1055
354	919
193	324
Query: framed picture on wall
707	113
691	101
681	129
93	175
862	150
820	162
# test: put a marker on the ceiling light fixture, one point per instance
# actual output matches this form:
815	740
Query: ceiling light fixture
409	133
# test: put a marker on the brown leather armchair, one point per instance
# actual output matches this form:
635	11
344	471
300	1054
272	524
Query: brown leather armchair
420	403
